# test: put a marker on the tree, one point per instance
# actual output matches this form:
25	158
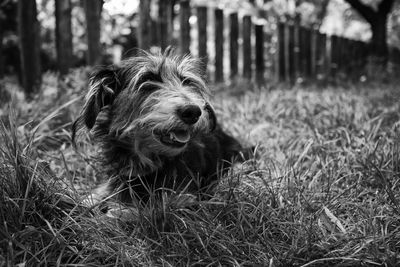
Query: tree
29	43
321	12
93	10
378	22
63	35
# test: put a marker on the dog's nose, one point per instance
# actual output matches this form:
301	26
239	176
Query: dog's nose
189	114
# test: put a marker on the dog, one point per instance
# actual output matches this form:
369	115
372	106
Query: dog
156	127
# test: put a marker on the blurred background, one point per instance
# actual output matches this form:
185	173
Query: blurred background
260	40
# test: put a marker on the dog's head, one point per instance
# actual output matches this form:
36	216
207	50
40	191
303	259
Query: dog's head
151	104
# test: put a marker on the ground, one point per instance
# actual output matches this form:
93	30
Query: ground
322	189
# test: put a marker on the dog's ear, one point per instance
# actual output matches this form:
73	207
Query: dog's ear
104	85
212	117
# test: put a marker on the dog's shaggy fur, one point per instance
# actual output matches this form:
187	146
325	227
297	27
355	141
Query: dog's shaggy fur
156	127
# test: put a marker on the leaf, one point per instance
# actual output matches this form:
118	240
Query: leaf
333	219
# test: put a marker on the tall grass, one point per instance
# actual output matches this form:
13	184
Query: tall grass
322	190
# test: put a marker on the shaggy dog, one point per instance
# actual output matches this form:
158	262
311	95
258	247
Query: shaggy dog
156	128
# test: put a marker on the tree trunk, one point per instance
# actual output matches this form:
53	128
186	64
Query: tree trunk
144	25
379	48
93	16
378	22
29	44
322	13
63	35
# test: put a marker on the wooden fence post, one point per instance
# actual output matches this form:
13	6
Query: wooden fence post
163	28
281	52
340	51
171	25
307	51
144	26
296	50
247	54
334	55
313	56
347	64
344	60
93	10
396	56
185	27
356	54
1	51
360	54
233	43
393	55
328	57
219	45
365	52
350	56
321	54
154	34
259	32
286	51
289	62
302	53
29	45
63	35
202	31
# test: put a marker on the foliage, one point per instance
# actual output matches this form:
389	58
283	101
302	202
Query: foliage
322	190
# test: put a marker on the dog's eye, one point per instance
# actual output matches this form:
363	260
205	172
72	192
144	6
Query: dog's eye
188	82
147	82
148	87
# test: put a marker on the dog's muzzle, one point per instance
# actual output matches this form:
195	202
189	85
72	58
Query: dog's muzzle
179	137
189	114
176	138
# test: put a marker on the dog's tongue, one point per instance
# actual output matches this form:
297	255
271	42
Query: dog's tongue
181	136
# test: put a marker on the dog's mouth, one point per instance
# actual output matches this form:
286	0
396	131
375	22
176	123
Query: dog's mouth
175	138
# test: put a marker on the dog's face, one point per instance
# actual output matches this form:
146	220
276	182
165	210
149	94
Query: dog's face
152	105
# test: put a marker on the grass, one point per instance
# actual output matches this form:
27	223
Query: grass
323	189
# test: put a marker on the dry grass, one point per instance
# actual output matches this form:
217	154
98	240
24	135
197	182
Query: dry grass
323	189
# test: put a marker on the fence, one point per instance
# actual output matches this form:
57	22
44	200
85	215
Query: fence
297	53
308	54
